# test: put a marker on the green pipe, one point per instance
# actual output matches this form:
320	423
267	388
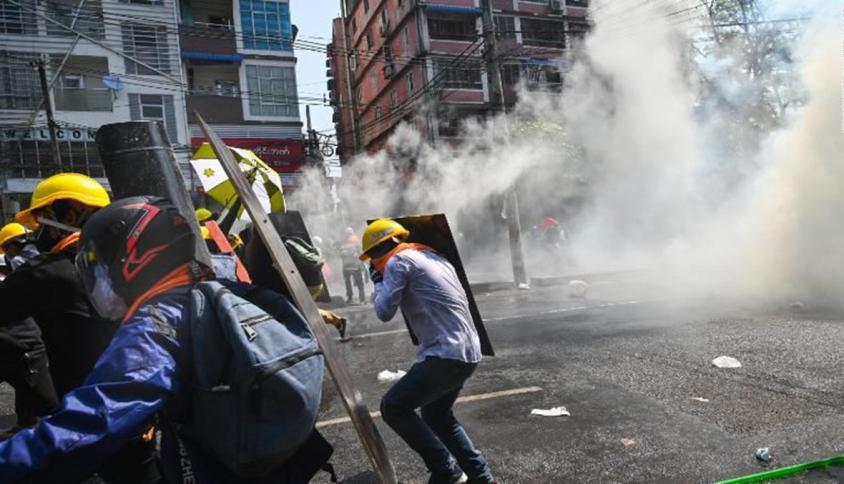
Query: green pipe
786	471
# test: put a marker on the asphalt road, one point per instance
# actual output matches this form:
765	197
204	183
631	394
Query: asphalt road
629	361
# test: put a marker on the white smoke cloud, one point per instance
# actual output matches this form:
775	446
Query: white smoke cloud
642	170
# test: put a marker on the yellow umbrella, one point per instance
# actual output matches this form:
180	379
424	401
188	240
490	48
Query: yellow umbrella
266	182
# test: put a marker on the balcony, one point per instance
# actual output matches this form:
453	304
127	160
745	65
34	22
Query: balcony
67	99
208	38
215	109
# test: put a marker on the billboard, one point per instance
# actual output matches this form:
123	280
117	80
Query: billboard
283	155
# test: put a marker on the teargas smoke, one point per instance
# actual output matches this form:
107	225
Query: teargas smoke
693	138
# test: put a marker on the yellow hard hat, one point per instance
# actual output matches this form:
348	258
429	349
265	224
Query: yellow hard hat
64	186
206	234
203	214
10	232
379	231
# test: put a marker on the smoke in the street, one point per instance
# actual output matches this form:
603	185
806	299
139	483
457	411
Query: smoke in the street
661	152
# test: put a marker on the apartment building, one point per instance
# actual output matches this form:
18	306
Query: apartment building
239	64
403	54
111	61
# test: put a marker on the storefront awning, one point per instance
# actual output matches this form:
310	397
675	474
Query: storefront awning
452	9
210	56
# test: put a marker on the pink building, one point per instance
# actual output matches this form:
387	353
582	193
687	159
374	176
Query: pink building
406	53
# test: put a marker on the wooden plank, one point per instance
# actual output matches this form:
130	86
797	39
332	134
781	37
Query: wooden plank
371	439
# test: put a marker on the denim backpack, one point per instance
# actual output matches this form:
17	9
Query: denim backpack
256	376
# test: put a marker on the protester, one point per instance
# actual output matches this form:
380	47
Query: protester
137	265
426	287
352	269
15	245
48	290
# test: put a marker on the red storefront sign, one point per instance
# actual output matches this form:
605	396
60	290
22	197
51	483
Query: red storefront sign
283	155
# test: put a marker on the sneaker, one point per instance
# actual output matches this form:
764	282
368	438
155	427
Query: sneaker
457	478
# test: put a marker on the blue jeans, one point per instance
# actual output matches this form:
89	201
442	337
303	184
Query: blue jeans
437	437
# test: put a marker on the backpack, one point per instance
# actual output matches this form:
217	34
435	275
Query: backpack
256	374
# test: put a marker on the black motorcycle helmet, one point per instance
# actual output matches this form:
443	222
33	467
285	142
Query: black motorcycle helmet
127	248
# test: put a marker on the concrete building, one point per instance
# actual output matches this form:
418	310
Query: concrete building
402	54
111	61
241	75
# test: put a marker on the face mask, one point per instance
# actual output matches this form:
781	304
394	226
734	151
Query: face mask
46	239
107	303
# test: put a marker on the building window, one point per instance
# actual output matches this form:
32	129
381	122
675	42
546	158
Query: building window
577	31
394	99
89	20
266	25
577	3
16	20
543	75
19	84
147	44
144	2
405	41
368	42
373	80
377	113
388	54
410	84
505	27
155	107
543	33
510	74
452	26
458	74
365	5
272	91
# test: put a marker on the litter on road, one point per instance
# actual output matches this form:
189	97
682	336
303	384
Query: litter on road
763	454
700	399
578	288
627	443
388	375
726	362
551	412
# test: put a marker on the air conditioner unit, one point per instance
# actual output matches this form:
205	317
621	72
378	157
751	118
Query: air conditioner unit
389	71
556	5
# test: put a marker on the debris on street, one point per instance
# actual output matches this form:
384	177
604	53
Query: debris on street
388	375
726	362
763	454
627	443
700	399
578	288
551	412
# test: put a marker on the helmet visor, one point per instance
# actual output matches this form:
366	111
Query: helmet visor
98	286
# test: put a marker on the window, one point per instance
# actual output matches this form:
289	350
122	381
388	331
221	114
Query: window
155	107
365	5
89	20
368	42
410	86
377	113
542	33
510	74
19	84
537	75
147	44
452	26
272	91
16	20
143	2
394	99
505	27
388	54
226	88
73	81
459	74
577	31
405	41
373	80
266	25
577	3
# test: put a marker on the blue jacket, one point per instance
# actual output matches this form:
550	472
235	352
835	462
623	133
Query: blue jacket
135	378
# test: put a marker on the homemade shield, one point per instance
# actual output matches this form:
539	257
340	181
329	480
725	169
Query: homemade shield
266	182
434	231
258	262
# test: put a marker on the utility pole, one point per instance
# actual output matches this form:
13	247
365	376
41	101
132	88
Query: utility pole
353	102
48	107
511	199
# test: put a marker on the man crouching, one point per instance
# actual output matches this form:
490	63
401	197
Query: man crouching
426	286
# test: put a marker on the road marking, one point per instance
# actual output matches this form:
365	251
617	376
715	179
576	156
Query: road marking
468	398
